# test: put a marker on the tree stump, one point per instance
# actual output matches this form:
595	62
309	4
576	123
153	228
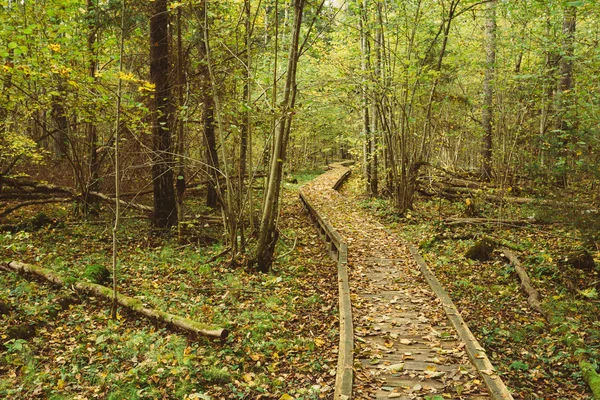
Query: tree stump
4	308
580	259
481	251
21	331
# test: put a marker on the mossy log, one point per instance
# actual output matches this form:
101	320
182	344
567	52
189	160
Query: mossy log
534	298
130	303
591	377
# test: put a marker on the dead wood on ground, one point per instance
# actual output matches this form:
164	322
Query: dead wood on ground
130	303
38	187
534	299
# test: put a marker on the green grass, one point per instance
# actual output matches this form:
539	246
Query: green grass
274	318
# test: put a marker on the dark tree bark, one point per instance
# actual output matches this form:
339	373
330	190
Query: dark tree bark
181	82
59	116
165	204
366	117
93	184
208	118
565	85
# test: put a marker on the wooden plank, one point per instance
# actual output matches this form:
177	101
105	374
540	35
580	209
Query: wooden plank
338	250
495	385
344	377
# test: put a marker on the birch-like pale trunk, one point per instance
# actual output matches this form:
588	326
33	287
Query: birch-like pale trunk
487	114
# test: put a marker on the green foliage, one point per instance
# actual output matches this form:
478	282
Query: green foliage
518	365
216	376
97	273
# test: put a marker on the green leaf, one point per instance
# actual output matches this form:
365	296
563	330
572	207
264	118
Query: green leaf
12	45
518	365
576	3
589	293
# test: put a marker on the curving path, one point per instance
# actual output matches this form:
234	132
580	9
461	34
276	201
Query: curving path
405	342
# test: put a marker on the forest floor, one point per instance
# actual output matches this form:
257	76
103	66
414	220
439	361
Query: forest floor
283	340
536	358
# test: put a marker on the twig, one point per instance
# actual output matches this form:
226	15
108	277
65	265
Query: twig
288	252
213	258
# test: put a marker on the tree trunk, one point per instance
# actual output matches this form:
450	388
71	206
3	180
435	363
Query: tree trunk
364	68
165	205
180	181
208	118
488	91
565	85
117	149
59	116
93	184
267	236
246	125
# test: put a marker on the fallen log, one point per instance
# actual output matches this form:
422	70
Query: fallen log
591	377
26	195
15	207
495	221
534	298
50	188
455	189
475	236
130	303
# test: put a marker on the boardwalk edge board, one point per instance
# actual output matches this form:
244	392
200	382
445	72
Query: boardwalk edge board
338	250
495	385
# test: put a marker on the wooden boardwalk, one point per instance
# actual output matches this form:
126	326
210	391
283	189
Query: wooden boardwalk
405	346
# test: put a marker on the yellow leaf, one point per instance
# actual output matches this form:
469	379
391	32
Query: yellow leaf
126	76
286	396
60	384
319	342
247	378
